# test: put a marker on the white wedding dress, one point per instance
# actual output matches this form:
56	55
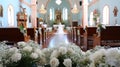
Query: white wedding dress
59	38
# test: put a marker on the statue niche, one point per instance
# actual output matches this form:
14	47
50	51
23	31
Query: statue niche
58	16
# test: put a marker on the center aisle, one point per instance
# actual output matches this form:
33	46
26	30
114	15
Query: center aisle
56	39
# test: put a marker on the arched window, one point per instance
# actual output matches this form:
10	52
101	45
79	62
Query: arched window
105	15
10	16
91	19
65	14
52	12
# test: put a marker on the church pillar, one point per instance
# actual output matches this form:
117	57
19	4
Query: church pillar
85	13
33	7
34	13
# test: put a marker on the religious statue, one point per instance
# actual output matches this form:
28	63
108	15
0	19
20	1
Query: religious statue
115	11
58	16
58	19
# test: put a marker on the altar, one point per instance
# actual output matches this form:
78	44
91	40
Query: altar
59	28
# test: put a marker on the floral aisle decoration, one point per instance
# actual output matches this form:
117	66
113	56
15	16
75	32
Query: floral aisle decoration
96	16
103	57
23	30
27	54
64	56
3	50
100	27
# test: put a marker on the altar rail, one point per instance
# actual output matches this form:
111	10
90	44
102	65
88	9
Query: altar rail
108	37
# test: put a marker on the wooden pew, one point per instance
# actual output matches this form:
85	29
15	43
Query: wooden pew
108	37
12	35
31	33
88	37
80	31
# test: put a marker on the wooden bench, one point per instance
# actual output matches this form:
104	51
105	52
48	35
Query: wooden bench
31	33
12	35
108	37
80	31
88	37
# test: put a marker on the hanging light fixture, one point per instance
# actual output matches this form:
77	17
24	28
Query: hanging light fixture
75	9
42	9
58	2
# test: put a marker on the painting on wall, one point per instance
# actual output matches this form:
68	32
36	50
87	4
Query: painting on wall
1	11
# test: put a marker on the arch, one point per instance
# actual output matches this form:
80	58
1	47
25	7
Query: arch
106	15
10	16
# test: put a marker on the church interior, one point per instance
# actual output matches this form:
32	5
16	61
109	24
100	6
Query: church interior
88	29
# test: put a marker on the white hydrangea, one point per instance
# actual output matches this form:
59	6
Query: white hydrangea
22	44
70	50
112	56
62	50
97	55
13	50
92	64
55	54
67	62
54	62
38	51
16	57
34	55
88	52
27	48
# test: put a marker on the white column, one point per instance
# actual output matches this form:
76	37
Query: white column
33	7
85	13
34	13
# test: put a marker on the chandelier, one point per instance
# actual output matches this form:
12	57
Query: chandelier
75	9
58	2
42	9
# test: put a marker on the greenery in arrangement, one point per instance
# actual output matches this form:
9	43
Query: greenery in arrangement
25	55
100	27
22	29
30	54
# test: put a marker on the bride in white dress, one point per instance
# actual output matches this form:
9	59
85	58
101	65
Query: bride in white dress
59	38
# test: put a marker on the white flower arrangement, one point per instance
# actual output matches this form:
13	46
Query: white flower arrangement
67	62
24	54
63	53
113	57
16	57
62	56
54	62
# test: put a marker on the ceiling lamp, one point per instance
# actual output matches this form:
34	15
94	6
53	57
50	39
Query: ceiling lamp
58	2
75	9
42	9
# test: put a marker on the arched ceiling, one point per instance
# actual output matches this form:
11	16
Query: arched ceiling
71	2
